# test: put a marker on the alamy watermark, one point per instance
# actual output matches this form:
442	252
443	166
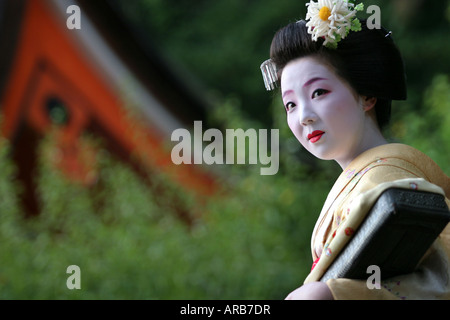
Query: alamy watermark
374	21
74	20
230	148
74	280
374	281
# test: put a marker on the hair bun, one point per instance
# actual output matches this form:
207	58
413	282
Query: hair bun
373	63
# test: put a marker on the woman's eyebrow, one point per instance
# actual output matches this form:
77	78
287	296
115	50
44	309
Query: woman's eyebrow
286	93
311	81
307	83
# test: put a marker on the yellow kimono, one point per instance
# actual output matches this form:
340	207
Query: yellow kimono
350	199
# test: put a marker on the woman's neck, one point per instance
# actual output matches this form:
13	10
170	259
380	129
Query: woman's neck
372	138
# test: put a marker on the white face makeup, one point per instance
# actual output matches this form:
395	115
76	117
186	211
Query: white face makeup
326	116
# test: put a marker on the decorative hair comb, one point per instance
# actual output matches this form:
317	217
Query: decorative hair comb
269	73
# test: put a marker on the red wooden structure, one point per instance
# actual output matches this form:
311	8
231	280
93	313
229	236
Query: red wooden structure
83	79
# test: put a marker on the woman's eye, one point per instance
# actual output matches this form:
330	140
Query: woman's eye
289	106
319	92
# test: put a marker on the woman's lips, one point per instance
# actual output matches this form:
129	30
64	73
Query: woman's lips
315	136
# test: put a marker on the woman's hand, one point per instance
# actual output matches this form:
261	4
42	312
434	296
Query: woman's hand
311	291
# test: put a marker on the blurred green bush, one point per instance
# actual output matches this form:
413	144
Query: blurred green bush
251	242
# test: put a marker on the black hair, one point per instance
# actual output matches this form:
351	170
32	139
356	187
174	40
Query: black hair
368	60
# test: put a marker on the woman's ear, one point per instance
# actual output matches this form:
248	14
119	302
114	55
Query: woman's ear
368	102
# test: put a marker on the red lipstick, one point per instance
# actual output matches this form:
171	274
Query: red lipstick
315	136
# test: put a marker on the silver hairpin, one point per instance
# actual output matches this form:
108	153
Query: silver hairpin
388	34
269	73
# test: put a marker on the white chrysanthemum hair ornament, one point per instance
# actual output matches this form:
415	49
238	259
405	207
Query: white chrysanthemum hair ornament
332	20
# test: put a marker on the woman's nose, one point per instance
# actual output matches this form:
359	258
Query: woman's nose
306	115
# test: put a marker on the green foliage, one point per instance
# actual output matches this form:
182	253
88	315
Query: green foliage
429	129
252	242
222	43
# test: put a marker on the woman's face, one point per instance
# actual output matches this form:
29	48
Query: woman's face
325	114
